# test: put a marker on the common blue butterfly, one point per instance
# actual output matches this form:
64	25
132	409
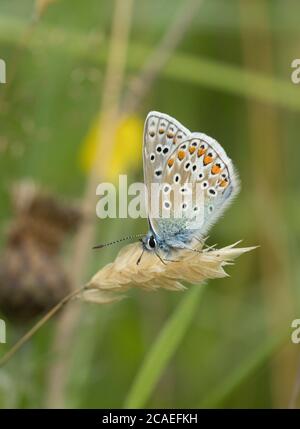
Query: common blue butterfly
174	155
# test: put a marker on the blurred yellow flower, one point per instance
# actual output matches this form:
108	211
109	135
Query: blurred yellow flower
127	149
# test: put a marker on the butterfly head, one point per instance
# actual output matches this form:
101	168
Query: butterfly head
152	243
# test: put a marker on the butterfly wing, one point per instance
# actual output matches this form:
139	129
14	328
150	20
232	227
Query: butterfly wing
162	134
199	167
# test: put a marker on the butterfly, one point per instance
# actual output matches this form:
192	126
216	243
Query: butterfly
175	156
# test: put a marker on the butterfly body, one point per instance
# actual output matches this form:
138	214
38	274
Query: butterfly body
195	182
174	236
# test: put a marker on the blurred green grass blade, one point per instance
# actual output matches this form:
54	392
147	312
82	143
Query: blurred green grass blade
235	80
239	374
181	67
163	349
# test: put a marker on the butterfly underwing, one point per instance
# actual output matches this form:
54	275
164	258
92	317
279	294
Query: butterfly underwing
190	181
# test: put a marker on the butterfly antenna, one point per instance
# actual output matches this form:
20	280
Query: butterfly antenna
100	246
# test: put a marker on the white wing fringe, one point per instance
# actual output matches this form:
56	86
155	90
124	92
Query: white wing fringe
109	283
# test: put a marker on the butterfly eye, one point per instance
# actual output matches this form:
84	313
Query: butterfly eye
152	242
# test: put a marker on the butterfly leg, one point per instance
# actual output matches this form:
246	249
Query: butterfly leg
141	255
161	260
164	259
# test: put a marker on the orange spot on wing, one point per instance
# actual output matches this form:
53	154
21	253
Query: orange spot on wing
215	169
170	162
207	160
170	135
161	131
181	155
201	151
223	183
192	149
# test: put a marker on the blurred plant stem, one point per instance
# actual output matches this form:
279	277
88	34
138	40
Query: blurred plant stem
140	85
40	8
266	162
58	371
38	325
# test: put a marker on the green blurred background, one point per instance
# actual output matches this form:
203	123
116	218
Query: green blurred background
230	77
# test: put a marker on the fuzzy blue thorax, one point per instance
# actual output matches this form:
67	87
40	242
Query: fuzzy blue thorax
173	234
